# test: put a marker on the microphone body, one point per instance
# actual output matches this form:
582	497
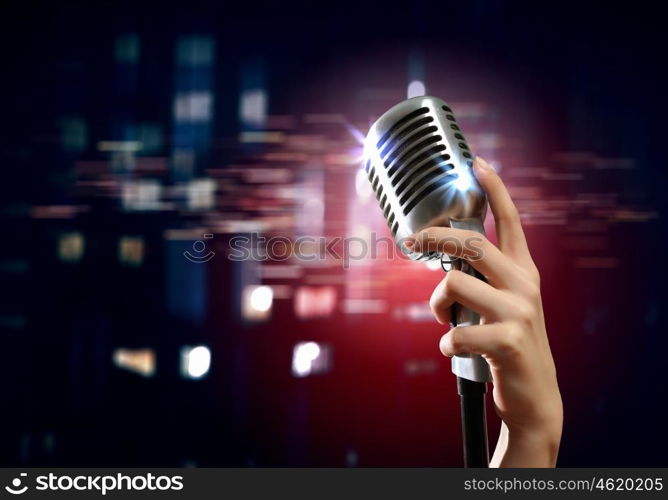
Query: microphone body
419	166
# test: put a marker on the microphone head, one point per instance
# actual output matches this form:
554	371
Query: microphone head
419	166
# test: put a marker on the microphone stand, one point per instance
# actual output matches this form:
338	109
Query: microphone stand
474	422
473	416
472	371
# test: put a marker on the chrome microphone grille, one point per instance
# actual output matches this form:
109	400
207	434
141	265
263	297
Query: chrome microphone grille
419	166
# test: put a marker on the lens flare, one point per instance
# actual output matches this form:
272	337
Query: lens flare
464	180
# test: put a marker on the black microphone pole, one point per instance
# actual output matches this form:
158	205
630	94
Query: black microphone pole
474	422
473	413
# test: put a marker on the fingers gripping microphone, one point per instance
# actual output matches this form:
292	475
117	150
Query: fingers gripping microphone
419	166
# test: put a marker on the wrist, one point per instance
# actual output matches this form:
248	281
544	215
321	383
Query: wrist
523	447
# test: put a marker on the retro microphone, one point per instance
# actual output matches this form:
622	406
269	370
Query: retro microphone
419	166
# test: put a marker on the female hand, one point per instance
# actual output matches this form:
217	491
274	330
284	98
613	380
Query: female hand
511	336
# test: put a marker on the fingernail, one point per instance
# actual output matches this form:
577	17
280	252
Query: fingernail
409	244
480	162
412	240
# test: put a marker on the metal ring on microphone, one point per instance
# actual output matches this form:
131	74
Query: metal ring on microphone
444	263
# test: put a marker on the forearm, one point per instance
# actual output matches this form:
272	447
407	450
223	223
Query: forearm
526	448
